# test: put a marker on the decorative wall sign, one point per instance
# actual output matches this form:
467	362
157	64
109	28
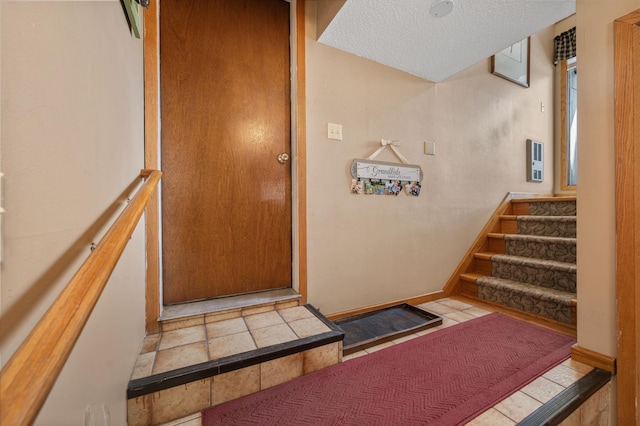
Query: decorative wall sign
380	170
133	14
372	177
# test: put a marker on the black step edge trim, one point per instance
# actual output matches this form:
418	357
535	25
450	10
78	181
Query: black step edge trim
181	376
566	402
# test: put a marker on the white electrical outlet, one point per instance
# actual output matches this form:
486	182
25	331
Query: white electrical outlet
334	131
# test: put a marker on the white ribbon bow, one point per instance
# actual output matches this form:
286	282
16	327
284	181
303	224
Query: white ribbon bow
391	143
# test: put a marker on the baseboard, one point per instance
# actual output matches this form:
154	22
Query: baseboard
594	359
411	301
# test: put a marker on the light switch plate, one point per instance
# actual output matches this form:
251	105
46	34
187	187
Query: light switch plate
430	148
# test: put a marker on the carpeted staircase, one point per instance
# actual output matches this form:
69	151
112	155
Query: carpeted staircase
529	262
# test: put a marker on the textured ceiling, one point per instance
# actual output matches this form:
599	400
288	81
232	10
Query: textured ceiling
404	35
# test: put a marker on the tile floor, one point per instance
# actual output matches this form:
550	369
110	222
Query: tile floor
507	412
208	341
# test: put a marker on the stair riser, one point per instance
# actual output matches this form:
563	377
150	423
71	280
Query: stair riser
496	245
483	266
562	252
545	308
559	280
509	225
564	229
553	208
469	289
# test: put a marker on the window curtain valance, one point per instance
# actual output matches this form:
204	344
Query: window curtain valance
565	46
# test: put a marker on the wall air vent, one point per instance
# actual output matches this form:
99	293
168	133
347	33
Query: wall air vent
535	161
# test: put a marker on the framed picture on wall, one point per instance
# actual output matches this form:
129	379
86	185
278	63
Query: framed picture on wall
133	10
512	63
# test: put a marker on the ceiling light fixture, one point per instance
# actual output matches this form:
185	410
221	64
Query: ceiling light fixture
441	8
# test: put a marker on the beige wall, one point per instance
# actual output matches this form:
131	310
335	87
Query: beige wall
596	175
72	143
365	250
596	189
71	139
1	185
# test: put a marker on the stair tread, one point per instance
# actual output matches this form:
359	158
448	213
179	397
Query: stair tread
485	255
531	217
532	261
471	276
565	218
566	240
543	199
501	235
535	262
529	289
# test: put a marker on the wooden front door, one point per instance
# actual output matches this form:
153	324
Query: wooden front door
225	120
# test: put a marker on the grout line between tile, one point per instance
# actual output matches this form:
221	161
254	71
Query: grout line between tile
206	343
155	353
251	334
153	363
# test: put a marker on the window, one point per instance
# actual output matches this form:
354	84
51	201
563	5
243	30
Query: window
568	123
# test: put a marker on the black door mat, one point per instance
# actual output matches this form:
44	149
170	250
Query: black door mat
372	328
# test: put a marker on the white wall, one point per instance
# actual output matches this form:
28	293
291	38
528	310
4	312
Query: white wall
365	250
72	145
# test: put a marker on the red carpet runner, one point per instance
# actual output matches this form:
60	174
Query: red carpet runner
444	378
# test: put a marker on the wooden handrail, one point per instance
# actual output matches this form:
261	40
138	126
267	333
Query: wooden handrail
28	377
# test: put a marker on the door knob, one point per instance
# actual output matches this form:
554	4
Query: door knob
283	158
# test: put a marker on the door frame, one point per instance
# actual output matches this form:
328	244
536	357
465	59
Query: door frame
627	187
152	157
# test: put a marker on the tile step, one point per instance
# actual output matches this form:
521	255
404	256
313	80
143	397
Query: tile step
156	382
151	399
